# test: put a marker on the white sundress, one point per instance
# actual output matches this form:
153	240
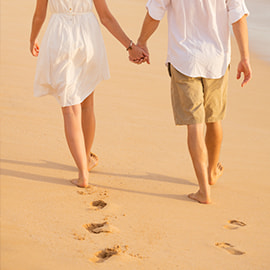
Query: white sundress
72	58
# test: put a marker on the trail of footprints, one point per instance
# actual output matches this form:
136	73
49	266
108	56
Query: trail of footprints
103	227
233	225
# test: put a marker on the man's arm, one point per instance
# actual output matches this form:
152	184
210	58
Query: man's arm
136	54
240	30
149	27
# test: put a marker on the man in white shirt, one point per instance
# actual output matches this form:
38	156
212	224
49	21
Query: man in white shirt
198	60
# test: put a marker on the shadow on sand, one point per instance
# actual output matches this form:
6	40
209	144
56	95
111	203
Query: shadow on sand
62	181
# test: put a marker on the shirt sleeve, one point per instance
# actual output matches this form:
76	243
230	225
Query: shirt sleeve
236	9
157	8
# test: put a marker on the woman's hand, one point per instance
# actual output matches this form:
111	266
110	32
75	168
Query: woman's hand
34	48
38	20
138	55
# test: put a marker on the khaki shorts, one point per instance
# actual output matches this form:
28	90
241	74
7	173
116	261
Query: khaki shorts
198	100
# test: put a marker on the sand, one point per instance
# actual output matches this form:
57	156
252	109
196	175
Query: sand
137	215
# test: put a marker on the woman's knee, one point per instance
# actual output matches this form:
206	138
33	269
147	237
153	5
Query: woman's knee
88	103
71	110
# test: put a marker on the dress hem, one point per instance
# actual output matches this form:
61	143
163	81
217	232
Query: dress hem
92	89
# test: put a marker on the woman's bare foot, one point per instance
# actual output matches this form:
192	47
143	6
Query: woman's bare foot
199	197
92	161
80	183
214	176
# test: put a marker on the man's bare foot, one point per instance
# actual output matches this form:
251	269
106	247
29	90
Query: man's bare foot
80	183
92	161
200	197
213	177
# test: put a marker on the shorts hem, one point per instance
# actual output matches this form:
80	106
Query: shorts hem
186	123
194	122
215	120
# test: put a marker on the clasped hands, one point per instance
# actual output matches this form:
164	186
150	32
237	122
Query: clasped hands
139	54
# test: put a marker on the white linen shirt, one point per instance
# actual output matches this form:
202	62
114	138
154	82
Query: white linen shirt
199	33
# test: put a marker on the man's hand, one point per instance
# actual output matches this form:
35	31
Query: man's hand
245	68
138	55
144	47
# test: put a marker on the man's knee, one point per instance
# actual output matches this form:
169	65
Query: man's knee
195	131
214	125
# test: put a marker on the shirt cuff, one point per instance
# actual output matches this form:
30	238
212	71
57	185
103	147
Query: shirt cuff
155	12
237	13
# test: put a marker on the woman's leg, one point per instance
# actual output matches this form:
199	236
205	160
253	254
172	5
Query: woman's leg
89	128
75	140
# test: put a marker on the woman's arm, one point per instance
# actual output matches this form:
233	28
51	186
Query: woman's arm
136	54
38	20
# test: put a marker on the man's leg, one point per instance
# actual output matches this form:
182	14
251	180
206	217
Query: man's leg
198	152
215	100
188	107
213	140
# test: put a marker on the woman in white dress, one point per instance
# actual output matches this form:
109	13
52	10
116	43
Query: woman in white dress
71	62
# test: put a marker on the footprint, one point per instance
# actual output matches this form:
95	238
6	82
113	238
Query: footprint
87	191
97	228
78	237
230	248
235	224
104	194
105	254
99	204
138	256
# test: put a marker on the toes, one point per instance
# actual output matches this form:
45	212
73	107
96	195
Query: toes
94	157
219	166
93	161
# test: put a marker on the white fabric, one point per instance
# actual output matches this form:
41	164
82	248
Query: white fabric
199	33
72	58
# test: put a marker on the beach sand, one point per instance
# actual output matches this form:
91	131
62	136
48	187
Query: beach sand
137	215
